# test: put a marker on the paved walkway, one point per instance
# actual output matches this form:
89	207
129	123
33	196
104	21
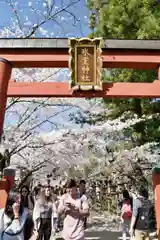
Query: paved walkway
100	229
101	235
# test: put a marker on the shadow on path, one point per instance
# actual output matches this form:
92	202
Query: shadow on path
95	224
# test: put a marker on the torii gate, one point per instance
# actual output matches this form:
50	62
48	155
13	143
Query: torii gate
53	53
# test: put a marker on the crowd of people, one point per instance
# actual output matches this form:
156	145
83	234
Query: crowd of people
38	214
45	211
138	216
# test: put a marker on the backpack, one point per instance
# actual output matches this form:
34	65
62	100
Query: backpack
146	219
127	209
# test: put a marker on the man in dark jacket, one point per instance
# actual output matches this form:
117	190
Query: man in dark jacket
143	222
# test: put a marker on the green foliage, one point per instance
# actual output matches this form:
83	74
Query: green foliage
130	19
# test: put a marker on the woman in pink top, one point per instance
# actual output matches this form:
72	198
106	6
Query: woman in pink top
75	209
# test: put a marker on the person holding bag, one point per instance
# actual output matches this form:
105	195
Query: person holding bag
143	222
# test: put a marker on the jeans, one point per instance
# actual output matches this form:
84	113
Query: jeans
44	232
28	228
125	228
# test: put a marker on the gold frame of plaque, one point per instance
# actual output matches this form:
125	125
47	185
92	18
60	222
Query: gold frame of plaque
85	64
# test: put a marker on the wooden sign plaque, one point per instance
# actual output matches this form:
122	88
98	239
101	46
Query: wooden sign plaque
85	64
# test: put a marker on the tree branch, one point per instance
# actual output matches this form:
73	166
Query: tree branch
30	172
50	17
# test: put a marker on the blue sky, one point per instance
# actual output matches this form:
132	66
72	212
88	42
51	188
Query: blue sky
27	16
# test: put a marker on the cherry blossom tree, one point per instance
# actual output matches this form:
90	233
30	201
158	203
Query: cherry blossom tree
105	143
35	137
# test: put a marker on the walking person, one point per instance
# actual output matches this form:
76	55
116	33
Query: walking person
27	198
143	222
126	213
13	218
28	202
82	187
55	216
75	211
42	215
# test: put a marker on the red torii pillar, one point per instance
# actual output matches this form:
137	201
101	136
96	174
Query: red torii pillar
5	74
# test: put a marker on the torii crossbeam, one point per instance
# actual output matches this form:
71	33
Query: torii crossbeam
43	53
53	53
